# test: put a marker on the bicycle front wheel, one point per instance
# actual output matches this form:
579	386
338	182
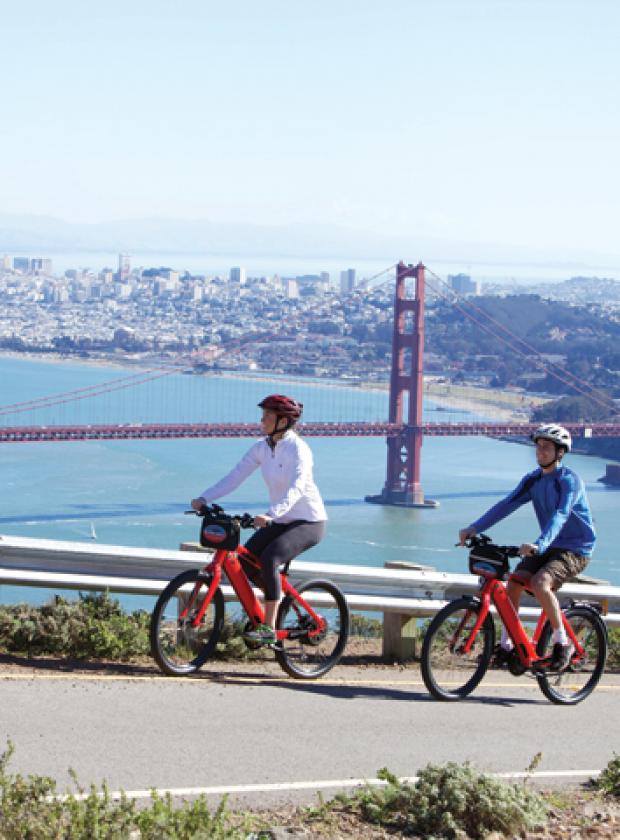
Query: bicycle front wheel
582	675
448	672
177	645
309	650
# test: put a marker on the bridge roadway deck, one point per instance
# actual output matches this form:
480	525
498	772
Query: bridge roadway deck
139	431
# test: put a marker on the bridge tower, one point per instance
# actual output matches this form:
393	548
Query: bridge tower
402	485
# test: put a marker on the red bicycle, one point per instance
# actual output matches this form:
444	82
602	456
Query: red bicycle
459	642
312	625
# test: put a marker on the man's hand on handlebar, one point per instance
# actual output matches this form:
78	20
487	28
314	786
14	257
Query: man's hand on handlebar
262	521
528	549
465	534
198	504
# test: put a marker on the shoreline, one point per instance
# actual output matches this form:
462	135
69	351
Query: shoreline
507	406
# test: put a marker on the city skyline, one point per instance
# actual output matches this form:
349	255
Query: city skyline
452	126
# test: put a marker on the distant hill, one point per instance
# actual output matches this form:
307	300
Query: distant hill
503	337
45	234
42	233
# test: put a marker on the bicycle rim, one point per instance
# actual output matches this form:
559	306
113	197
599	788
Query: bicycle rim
582	675
448	672
306	653
177	646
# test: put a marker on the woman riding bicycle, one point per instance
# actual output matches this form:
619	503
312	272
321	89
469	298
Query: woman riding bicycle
565	543
296	519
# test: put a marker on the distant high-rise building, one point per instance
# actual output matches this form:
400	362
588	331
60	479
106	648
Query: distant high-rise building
172	277
21	264
291	287
5	263
347	280
124	267
237	275
41	266
462	284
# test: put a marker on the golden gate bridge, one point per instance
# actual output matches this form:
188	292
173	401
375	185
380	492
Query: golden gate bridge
404	428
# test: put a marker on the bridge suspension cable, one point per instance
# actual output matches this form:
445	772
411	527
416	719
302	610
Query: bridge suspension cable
553	369
90	390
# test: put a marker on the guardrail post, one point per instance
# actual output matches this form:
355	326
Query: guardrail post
401	635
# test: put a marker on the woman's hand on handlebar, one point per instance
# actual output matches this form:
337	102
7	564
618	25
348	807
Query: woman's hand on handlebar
198	504
262	521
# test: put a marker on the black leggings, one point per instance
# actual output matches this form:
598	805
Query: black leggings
277	544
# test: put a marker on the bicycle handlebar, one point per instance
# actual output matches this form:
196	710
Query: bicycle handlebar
245	520
483	539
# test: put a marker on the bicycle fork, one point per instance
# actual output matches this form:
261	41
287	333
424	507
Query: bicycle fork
185	609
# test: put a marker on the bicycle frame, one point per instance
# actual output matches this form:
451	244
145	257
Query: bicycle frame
494	592
228	561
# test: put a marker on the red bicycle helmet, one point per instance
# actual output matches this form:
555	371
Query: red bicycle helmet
282	406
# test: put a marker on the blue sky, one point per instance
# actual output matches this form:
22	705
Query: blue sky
492	121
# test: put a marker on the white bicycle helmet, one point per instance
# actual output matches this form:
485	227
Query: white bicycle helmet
558	434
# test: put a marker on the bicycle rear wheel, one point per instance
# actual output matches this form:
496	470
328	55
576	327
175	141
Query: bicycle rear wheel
309	651
448	672
582	675
176	645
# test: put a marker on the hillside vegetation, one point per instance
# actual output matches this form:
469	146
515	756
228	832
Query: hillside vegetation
502	339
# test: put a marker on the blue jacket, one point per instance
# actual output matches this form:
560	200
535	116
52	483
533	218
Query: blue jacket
561	506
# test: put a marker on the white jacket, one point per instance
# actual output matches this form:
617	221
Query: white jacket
287	470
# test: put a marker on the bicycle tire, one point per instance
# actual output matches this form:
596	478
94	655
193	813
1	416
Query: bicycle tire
448	674
303	656
179	649
582	676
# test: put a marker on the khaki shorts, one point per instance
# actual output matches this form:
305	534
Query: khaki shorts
560	563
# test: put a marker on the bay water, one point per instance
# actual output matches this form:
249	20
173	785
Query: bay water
134	493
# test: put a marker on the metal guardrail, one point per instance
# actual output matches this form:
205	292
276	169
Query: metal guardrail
121	569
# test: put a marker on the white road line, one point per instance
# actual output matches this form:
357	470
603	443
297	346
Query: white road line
281	787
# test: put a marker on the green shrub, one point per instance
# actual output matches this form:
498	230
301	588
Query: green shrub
93	626
609	780
613	655
367	628
452	801
31	808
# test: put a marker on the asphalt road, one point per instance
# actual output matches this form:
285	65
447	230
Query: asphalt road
231	730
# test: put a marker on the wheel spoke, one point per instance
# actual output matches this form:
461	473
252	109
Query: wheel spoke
179	643
582	675
449	671
305	653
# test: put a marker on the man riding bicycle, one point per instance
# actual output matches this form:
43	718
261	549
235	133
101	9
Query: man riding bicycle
564	546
